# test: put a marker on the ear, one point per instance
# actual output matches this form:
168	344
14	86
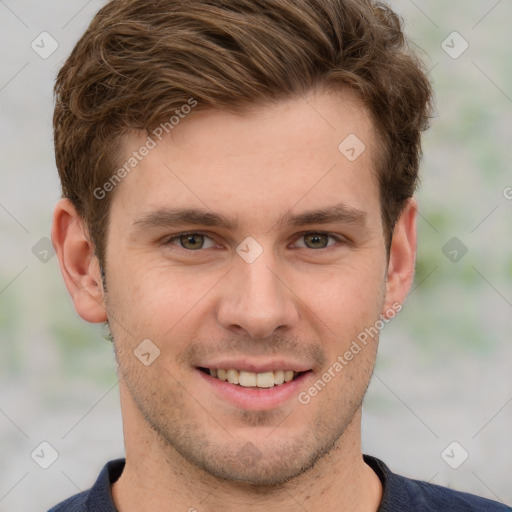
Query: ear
78	263
402	257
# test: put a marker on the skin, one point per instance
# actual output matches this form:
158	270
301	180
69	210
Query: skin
300	301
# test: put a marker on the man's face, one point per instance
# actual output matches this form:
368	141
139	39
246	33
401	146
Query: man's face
211	300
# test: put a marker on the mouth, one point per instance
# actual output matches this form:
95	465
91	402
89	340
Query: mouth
247	379
273	386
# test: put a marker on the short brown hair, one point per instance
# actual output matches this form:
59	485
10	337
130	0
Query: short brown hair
138	62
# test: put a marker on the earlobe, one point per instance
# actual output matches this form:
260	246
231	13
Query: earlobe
402	257
78	263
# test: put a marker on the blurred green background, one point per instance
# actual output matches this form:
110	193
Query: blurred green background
444	365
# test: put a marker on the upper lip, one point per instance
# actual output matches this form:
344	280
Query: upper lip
257	366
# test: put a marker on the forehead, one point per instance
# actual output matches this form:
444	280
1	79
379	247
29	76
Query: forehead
299	154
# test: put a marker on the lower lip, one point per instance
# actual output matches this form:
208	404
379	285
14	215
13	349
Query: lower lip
260	399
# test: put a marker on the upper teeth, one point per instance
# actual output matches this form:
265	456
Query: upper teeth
251	379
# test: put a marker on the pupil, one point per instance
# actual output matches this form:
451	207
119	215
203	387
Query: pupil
316	239
192	241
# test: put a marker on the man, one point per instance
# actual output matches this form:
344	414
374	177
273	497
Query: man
238	182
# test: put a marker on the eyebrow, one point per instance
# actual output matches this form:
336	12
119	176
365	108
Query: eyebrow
174	217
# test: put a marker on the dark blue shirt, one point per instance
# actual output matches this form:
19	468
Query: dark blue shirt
400	494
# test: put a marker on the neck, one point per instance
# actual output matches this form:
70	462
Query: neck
156	477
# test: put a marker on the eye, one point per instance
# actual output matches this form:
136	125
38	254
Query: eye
317	240
191	241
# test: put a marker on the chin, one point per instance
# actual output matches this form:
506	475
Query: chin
261	473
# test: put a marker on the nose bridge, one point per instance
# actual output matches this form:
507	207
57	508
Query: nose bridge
256	298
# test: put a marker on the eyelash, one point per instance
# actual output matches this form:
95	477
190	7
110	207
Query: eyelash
338	239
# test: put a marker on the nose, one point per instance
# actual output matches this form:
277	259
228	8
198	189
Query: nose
256	298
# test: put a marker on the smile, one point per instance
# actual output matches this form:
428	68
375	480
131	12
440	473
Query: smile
248	379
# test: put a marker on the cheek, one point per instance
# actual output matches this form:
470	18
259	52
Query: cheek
156	299
339	305
153	300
